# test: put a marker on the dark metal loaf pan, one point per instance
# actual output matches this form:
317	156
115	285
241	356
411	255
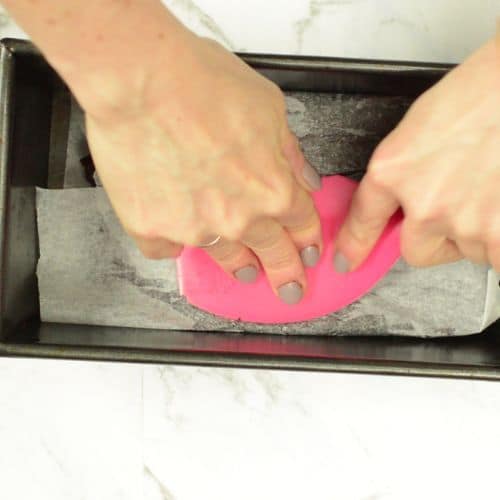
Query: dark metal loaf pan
32	115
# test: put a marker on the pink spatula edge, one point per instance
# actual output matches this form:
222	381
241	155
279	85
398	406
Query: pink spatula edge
207	287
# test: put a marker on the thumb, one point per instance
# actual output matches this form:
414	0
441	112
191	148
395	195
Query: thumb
371	208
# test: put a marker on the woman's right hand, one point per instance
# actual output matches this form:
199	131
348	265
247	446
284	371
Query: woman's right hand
200	147
441	165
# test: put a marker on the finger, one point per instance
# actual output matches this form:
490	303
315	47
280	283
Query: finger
304	172
422	248
371	208
304	228
494	256
236	259
474	251
158	248
279	257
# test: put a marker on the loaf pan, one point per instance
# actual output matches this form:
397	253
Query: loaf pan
33	132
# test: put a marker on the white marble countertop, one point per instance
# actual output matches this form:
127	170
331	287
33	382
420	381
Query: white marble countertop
76	430
79	430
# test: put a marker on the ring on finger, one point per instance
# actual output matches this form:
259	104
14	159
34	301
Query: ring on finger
211	243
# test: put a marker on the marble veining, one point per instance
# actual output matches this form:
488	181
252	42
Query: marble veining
315	9
189	9
252	434
161	489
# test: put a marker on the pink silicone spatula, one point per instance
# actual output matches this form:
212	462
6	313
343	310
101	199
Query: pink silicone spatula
207	287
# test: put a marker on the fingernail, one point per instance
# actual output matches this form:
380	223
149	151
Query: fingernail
341	263
311	176
290	293
310	256
247	274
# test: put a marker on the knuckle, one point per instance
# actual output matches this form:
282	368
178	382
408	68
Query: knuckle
280	258
224	253
358	237
378	175
196	235
424	212
261	240
282	195
365	220
310	224
412	258
468	234
234	224
224	213
379	153
145	226
236	229
363	228
495	243
378	168
264	238
383	169
411	251
493	236
144	233
153	253
468	228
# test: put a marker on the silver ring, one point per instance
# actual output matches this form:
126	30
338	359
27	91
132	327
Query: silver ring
211	243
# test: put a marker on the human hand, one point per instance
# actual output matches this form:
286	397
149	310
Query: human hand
441	165
202	148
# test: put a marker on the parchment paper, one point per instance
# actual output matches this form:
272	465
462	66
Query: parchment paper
91	272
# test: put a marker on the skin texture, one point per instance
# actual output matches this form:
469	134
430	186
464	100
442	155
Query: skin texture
441	164
189	142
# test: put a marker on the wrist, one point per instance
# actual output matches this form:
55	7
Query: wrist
109	70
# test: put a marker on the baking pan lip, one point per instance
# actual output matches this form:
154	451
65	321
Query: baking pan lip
323	63
252	361
293	61
19	46
6	72
303	353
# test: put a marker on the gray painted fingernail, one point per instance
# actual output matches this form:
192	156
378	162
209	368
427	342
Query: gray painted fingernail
310	256
341	263
247	274
290	293
311	176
